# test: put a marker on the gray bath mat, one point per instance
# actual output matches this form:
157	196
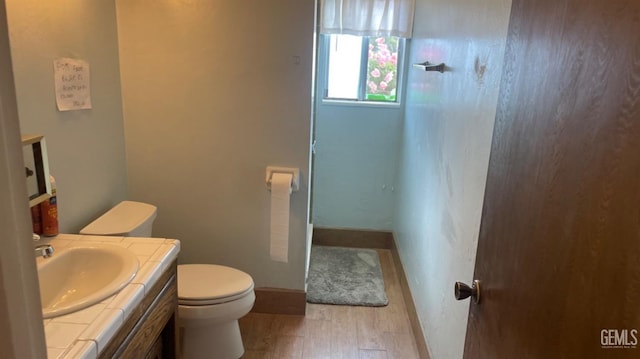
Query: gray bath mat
347	276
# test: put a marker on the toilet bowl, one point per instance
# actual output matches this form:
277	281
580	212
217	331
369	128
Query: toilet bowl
211	298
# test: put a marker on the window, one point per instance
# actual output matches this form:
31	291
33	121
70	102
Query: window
363	68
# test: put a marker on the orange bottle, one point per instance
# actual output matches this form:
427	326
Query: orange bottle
49	212
36	219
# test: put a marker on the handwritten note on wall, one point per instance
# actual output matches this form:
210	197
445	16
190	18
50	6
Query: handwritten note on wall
72	80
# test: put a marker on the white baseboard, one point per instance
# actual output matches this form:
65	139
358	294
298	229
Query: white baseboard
309	239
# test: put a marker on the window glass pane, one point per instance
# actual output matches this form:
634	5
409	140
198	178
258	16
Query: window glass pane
382	70
345	52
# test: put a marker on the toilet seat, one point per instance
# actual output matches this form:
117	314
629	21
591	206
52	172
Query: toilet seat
209	284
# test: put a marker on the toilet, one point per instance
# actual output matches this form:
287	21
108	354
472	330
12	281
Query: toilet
211	298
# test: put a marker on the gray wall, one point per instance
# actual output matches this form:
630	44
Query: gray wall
355	166
86	148
213	94
355	163
444	157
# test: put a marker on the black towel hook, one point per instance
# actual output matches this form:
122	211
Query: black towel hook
427	66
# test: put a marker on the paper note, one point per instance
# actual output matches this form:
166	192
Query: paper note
72	80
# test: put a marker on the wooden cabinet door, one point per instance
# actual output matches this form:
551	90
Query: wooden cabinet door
559	249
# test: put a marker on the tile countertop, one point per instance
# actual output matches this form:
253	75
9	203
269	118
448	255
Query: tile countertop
83	334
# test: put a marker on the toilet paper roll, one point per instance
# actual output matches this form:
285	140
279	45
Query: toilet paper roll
280	200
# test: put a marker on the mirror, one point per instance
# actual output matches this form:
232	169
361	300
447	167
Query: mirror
36	166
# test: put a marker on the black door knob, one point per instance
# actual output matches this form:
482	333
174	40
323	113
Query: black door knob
463	291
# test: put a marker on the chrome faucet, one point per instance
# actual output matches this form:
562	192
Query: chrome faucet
44	250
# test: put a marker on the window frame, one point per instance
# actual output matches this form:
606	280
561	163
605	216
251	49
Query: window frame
323	57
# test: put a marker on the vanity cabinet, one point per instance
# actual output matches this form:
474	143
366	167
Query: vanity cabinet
150	332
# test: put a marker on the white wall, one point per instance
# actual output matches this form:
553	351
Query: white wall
213	93
21	329
355	166
86	148
444	157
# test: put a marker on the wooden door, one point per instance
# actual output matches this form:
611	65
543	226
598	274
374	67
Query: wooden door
559	248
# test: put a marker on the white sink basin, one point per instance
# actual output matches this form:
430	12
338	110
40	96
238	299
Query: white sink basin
77	277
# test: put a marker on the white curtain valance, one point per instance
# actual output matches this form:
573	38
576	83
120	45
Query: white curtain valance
367	17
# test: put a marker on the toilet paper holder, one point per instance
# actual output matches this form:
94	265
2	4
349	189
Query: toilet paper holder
295	174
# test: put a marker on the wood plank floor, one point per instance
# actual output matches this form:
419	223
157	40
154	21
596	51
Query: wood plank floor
335	331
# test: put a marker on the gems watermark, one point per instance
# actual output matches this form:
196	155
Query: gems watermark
618	338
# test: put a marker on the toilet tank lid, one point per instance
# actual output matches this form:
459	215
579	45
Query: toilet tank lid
125	217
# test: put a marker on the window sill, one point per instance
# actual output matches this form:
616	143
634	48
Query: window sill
348	103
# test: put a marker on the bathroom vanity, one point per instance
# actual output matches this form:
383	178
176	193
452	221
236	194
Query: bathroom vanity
150	331
140	321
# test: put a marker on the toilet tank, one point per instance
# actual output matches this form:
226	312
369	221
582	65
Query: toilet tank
127	218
